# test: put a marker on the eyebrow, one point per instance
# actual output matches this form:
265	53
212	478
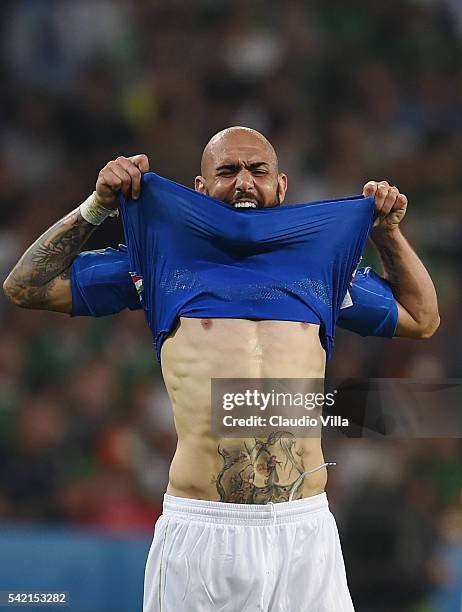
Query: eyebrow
252	166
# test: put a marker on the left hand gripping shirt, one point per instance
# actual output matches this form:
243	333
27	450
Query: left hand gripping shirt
198	257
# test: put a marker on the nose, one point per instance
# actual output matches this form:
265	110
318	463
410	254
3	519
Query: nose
244	180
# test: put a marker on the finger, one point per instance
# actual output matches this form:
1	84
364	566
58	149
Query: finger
382	192
141	162
134	173
369	189
389	201
107	178
401	201
123	175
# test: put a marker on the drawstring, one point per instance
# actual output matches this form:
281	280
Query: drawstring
273	512
302	476
295	485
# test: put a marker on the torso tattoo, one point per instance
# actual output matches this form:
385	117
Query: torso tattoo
260	470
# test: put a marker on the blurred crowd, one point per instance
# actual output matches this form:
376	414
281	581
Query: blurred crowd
347	91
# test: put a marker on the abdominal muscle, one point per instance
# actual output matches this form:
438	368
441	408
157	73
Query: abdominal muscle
239	470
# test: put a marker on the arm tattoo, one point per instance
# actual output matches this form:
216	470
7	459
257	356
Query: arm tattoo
48	259
389	264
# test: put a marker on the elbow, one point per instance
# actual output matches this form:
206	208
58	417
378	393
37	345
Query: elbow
8	291
428	329
11	292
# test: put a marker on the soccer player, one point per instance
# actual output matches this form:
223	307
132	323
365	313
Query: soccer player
231	537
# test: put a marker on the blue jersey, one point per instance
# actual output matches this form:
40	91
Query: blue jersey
198	257
101	285
194	256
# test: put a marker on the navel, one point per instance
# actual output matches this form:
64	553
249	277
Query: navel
206	323
305	325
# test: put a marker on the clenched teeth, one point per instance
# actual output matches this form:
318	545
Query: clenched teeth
245	205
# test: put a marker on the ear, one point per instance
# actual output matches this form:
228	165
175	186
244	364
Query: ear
282	183
199	184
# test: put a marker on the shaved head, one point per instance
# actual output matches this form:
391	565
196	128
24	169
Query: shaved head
239	166
229	135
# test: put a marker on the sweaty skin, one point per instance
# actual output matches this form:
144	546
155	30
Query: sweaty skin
239	166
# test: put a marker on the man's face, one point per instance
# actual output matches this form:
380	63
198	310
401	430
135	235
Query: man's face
240	168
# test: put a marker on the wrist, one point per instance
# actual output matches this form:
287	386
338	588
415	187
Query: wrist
110	203
93	211
381	235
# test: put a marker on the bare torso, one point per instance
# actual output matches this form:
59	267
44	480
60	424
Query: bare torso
234	470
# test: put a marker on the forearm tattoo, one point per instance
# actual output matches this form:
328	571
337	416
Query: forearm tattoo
388	257
47	260
260	471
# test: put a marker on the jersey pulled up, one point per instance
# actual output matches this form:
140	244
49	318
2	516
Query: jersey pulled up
101	285
193	256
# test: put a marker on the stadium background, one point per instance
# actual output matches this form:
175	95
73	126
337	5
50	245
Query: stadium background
347	91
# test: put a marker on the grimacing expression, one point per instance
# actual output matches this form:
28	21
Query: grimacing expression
239	167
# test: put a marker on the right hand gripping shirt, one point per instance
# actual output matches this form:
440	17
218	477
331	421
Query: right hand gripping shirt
194	256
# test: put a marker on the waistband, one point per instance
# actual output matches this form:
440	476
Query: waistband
243	514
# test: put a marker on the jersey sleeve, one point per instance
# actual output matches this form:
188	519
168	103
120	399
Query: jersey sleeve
372	310
101	283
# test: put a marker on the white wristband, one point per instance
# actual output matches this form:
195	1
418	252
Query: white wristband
94	212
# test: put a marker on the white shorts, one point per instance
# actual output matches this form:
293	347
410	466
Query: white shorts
219	557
